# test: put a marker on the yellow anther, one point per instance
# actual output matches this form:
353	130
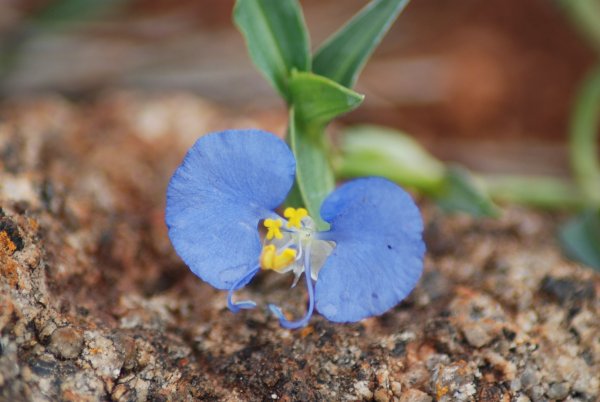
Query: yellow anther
273	228
269	259
295	216
285	259
267	256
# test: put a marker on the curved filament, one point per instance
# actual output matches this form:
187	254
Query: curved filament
244	304
311	300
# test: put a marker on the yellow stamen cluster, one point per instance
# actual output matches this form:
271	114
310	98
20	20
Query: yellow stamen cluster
273	228
269	259
295	216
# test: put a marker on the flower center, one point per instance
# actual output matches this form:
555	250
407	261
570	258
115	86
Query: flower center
285	245
295	247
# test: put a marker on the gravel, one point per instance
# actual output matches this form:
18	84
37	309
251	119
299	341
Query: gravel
95	305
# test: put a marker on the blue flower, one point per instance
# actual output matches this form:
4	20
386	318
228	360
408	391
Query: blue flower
230	183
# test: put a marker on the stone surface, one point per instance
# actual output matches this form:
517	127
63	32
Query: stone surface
66	343
414	395
95	305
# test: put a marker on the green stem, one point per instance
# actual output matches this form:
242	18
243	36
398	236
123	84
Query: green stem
538	191
583	144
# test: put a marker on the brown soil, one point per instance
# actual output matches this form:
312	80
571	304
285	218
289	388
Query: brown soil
95	305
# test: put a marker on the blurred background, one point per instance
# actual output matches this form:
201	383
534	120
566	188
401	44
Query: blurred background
489	84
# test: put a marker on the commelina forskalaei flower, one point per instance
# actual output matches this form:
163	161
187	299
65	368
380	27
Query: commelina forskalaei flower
230	183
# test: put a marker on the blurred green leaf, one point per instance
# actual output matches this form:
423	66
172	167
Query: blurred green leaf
461	192
316	101
580	238
59	14
343	56
583	138
586	16
276	38
534	190
377	151
63	12
380	151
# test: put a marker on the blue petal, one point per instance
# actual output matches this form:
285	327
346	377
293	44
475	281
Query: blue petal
226	184
379	251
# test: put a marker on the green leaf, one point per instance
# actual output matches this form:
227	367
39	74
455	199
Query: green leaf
580	238
462	192
276	38
343	56
316	101
380	151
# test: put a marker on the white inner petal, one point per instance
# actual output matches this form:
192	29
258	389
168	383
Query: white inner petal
320	250
303	239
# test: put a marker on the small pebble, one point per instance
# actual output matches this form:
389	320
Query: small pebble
414	395
522	398
362	389
66	343
396	388
381	395
476	335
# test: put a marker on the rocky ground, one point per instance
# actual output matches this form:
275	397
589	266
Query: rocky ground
94	304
